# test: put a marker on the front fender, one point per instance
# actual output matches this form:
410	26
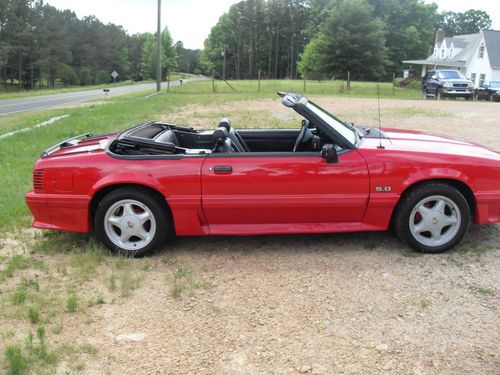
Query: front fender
436	174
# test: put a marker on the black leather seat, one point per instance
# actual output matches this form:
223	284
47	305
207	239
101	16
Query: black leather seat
237	143
167	136
222	142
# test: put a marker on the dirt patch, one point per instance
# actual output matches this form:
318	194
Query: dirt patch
318	304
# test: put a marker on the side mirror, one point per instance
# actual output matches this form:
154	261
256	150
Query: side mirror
329	153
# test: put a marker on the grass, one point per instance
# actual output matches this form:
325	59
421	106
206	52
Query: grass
34	315
72	303
184	280
61	90
481	290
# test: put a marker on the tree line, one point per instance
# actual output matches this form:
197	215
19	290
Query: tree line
41	46
327	38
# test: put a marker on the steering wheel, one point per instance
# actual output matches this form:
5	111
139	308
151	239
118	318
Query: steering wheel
302	134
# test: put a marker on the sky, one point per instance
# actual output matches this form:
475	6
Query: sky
191	20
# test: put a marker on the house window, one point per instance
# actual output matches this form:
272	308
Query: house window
482	78
473	78
481	51
443	50
451	52
435	51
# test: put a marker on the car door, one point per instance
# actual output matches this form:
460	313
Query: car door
257	189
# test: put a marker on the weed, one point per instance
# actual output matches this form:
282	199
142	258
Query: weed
17	262
129	282
30	283
19	297
481	290
72	303
88	349
33	315
100	300
424	304
182	280
16	361
112	283
86	262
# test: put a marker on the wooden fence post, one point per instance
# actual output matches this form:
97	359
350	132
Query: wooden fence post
305	72
348	80
259	82
393	83
213	81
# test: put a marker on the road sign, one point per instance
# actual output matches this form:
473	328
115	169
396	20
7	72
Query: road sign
114	74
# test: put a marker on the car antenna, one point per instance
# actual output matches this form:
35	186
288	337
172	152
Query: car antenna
379	121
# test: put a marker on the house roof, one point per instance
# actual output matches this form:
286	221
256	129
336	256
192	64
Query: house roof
468	44
492	42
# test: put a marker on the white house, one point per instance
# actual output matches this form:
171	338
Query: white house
477	56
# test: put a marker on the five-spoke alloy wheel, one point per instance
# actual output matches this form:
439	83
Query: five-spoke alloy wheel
432	218
131	222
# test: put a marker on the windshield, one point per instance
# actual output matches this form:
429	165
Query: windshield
450	74
345	130
495	85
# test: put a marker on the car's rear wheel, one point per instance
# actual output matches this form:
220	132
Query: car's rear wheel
432	218
131	222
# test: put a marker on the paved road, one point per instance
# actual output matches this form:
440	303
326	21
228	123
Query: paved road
34	103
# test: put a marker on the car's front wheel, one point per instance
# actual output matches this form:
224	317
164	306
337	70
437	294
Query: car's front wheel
439	94
131	222
432	218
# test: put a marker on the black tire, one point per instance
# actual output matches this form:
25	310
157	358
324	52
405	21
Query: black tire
455	208
492	98
439	94
157	225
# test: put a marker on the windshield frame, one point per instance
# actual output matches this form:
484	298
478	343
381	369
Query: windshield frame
346	130
324	121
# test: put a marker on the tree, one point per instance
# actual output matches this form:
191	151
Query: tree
410	28
469	22
350	39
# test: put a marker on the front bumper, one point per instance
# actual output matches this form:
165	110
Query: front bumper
59	211
458	92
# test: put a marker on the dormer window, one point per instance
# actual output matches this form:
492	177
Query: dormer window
443	50
435	51
481	51
451	52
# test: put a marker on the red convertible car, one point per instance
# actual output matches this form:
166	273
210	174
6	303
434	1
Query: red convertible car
138	188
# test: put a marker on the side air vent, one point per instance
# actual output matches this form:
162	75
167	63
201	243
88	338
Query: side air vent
38	179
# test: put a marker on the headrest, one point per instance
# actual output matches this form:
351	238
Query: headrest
225	123
219	133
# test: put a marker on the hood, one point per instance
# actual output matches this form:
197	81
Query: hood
412	141
82	143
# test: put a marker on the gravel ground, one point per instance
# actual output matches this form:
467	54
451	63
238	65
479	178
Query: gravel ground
315	304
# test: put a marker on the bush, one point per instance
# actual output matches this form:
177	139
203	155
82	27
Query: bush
85	77
67	74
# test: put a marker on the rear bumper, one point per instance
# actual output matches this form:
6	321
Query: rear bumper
488	207
59	211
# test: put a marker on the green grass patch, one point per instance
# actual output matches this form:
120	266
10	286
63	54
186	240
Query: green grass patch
481	290
72	303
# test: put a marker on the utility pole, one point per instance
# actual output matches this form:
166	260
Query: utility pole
158	50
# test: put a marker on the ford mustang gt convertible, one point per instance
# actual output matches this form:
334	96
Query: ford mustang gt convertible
138	188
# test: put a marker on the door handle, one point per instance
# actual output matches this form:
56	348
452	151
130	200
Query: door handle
223	169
